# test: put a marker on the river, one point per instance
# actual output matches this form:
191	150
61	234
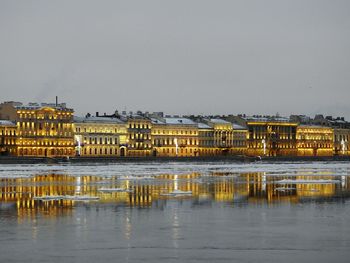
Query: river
175	212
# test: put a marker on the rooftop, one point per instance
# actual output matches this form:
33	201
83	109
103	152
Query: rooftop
179	121
260	118
7	123
35	106
238	127
219	121
93	119
313	126
203	126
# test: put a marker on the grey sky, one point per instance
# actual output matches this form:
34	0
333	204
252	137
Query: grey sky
178	56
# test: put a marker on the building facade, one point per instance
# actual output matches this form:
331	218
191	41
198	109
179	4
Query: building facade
175	137
223	135
8	137
100	136
240	135
42	129
341	141
315	140
205	140
269	135
139	142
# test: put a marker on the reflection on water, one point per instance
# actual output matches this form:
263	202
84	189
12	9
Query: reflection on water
56	194
193	213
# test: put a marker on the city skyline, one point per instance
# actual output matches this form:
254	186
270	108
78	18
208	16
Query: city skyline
180	131
126	112
193	57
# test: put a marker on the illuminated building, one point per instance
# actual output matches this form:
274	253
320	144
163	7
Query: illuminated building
42	129
100	136
269	135
223	135
174	137
315	140
7	137
139	136
205	140
220	137
341	141
240	135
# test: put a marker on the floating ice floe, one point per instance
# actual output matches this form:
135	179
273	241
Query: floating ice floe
305	181
83	198
178	193
66	197
283	189
136	178
115	190
49	197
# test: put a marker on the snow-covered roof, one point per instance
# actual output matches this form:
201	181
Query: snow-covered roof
157	121
313	126
238	127
35	106
266	119
203	126
179	121
219	121
96	119
7	123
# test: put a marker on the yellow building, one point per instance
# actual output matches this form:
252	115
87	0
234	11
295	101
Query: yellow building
205	140
315	140
341	141
223	136
270	136
42	129
100	136
240	135
139	136
7	137
174	137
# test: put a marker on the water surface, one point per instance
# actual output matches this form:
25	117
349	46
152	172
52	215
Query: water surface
225	212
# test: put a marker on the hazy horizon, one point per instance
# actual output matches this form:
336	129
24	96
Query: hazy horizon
179	57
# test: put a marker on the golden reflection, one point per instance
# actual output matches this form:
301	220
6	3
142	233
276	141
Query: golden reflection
48	194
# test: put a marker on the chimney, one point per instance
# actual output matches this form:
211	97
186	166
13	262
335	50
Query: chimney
56	101
97	114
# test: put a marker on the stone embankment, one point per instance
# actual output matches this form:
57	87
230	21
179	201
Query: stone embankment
48	160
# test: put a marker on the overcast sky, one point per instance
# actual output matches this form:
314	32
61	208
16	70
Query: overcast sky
180	57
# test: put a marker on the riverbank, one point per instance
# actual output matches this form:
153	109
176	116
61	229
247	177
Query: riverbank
48	160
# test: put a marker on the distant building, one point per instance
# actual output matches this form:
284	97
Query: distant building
338	122
7	137
269	135
139	142
205	140
44	129
314	140
341	130
341	141
240	136
223	135
174	136
100	136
